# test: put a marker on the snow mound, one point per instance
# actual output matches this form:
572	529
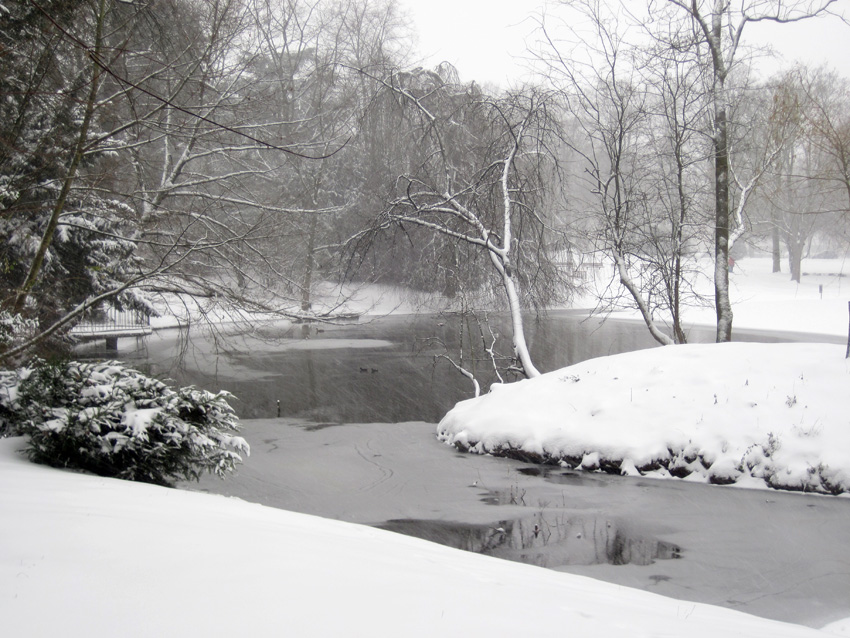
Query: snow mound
719	413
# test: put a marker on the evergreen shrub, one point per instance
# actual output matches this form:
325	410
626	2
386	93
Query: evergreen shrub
114	421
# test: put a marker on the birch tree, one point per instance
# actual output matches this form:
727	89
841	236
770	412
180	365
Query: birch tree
634	110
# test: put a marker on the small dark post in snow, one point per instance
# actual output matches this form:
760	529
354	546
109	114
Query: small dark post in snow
278	408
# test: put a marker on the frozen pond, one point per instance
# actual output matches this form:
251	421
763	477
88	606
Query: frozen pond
779	555
774	554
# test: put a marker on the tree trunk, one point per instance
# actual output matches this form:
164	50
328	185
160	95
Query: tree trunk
676	311
76	159
776	252
722	304
847	354
309	266
659	336
795	259
520	346
796	243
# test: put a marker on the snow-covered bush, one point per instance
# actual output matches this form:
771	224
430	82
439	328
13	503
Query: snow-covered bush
114	421
14	329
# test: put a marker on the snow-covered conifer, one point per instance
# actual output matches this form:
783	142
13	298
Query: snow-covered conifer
115	421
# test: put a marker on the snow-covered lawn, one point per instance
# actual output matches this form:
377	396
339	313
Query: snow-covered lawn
88	556
773	415
763	300
329	299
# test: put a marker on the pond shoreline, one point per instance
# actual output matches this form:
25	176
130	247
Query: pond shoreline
777	555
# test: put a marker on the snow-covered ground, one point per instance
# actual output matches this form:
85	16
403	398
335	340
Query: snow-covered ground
328	299
87	556
753	413
771	301
81	555
763	300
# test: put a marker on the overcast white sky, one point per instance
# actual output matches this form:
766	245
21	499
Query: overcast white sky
486	39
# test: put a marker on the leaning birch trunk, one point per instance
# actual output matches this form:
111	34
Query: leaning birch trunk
501	260
520	346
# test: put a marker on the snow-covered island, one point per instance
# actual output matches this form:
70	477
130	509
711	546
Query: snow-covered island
753	414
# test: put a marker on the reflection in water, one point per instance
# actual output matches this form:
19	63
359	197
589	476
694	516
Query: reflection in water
557	475
550	538
546	540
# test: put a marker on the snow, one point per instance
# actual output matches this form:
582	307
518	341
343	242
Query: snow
329	300
87	555
839	627
775	412
138	421
83	555
763	300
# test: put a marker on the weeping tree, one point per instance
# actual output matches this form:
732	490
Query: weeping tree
304	85
470	204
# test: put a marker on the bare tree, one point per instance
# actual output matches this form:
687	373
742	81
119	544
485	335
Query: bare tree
807	192
677	108
720	25
164	159
634	111
474	187
828	119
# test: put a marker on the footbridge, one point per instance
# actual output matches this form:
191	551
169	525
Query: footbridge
112	325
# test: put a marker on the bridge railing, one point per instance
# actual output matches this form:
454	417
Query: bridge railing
112	319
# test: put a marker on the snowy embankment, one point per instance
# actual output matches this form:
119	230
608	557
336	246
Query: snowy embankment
774	415
330	302
83	555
